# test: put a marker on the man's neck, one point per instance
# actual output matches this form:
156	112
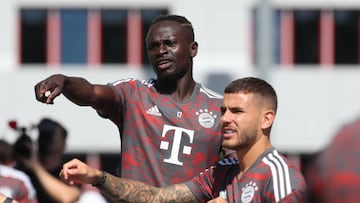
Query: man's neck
180	90
248	156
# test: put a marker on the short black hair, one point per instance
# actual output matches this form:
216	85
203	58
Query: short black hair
47	129
177	18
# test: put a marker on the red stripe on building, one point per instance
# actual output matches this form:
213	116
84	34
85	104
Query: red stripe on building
358	40
326	38
19	45
53	38
287	38
94	38
134	39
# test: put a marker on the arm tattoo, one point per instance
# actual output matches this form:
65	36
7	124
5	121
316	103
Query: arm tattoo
124	190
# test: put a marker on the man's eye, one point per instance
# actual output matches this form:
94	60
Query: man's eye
153	46
169	43
237	111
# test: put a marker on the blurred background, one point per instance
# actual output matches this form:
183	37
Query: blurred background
309	50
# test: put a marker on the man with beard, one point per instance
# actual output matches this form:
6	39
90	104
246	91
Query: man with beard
169	126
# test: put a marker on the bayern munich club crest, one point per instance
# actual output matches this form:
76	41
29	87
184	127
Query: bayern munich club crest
248	192
206	119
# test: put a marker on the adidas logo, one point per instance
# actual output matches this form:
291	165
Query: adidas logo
154	111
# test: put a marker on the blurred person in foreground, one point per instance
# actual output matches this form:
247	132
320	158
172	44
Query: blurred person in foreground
333	176
5	199
14	183
260	175
169	126
44	163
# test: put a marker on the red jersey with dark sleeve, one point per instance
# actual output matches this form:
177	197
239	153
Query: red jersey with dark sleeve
272	178
17	185
334	175
163	141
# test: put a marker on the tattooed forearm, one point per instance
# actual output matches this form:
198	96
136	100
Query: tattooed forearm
124	190
176	193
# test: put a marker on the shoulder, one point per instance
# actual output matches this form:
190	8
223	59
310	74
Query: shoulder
131	84
209	93
278	163
273	157
133	81
284	175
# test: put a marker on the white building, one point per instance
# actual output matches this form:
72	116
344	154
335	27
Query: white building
308	50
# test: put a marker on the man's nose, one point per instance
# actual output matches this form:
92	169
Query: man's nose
163	48
225	117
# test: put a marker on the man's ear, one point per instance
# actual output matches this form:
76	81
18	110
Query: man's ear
193	48
268	119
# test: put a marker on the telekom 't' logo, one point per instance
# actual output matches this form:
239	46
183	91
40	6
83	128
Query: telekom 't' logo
175	149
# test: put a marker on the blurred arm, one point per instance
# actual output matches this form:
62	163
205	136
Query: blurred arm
58	190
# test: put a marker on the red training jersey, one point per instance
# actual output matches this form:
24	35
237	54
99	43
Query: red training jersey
164	141
271	178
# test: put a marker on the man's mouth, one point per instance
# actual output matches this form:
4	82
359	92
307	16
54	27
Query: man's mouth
227	133
162	64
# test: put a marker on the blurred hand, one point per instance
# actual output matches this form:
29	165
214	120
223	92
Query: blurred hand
75	171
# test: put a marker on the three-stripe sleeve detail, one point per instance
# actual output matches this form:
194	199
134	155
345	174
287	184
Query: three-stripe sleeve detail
280	173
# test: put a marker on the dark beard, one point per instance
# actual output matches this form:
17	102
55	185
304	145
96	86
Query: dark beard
166	85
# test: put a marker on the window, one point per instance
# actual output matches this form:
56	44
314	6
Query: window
83	36
316	36
73	36
113	36
306	23
33	36
346	36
